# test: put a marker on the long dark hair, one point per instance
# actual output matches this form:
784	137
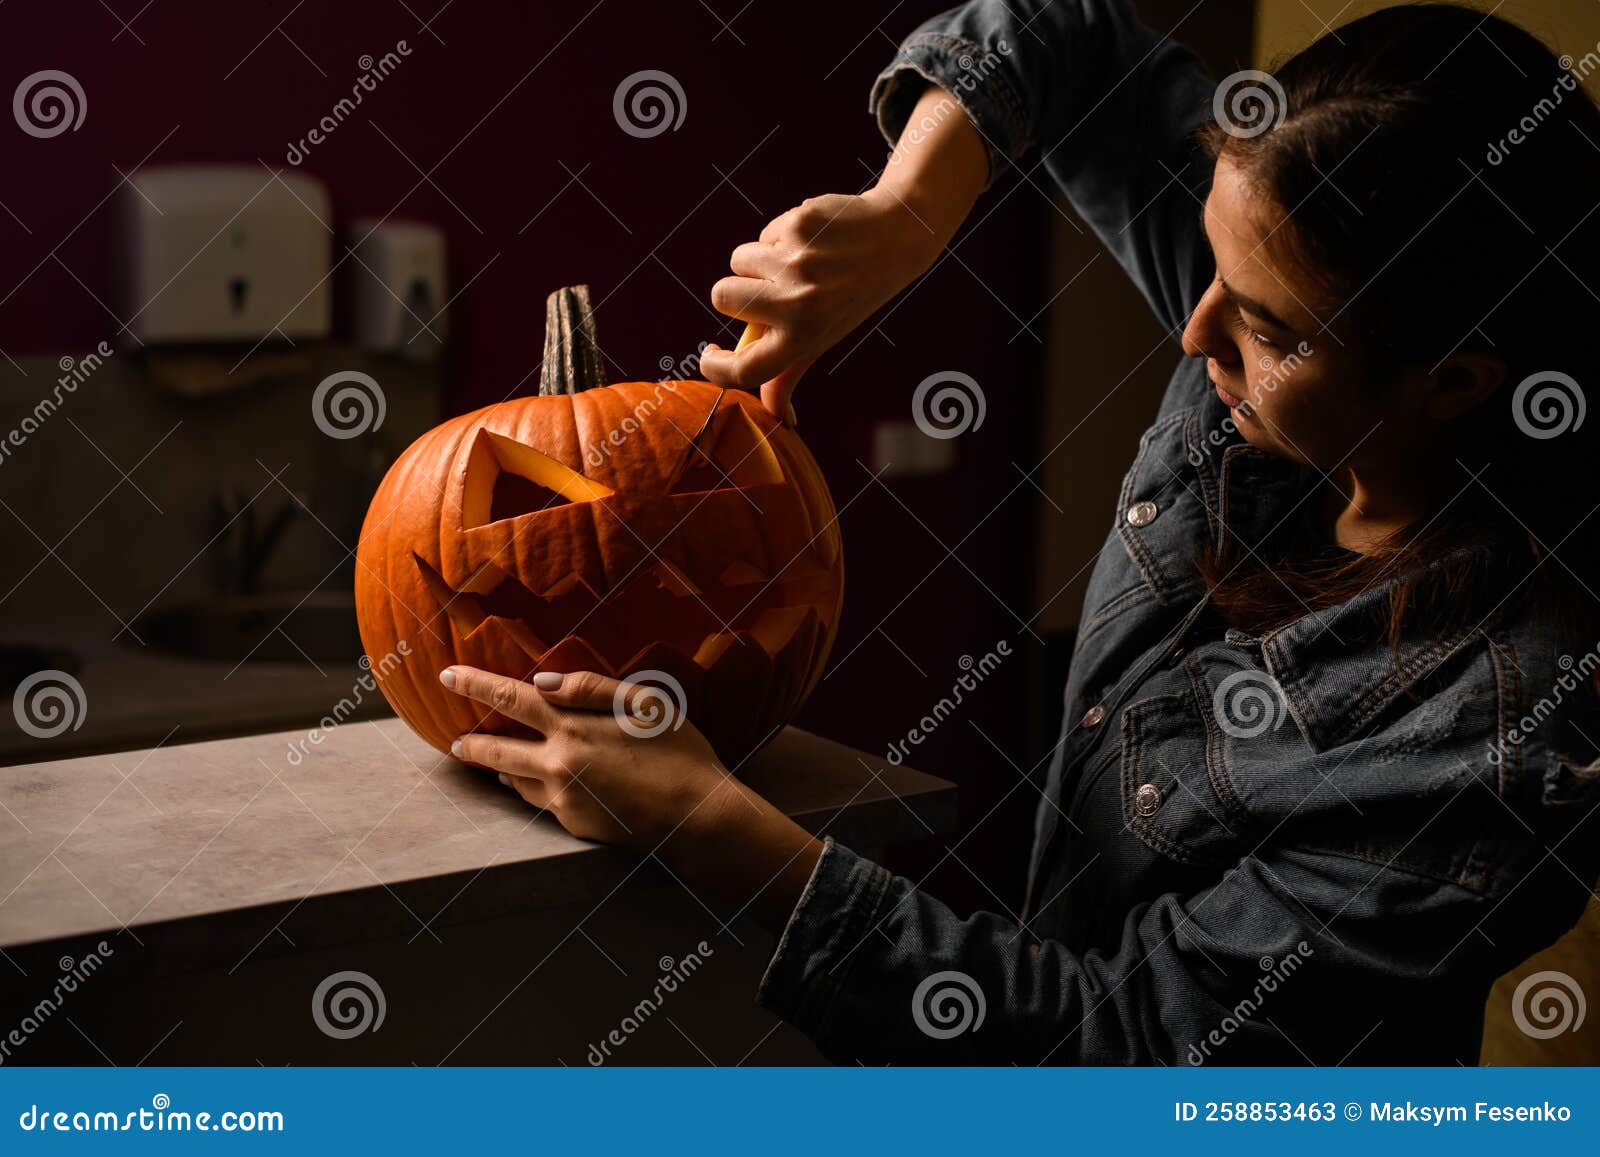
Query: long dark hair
1441	169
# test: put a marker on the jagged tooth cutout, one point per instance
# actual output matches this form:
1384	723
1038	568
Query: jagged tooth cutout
712	648
463	608
740	666
660	657
470	611
809	563
518	631
574	654
675	580
791	659
572	582
506	478
696	621
741	574
774	628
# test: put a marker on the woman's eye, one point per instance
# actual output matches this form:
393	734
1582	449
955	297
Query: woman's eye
1251	334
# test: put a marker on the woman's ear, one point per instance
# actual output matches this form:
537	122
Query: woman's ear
1462	382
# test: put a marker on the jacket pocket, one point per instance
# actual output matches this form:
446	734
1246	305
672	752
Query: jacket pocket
1172	797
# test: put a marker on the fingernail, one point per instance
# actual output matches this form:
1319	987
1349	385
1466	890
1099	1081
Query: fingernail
505	780
548	680
455	749
447	677
794	419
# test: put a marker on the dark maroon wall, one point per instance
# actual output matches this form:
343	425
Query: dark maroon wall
517	97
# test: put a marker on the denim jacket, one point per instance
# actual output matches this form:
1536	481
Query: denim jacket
1307	847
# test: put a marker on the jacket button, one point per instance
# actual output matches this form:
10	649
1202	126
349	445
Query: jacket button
1142	513
1093	716
1147	800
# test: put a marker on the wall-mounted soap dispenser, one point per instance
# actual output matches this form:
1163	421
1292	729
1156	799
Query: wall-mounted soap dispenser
224	253
398	288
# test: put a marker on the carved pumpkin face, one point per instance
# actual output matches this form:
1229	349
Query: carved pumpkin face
663	527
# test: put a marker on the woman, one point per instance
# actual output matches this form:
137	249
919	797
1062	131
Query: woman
1328	762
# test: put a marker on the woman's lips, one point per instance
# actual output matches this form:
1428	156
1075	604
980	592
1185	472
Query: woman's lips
1227	399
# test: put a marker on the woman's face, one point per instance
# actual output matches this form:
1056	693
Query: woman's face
1281	355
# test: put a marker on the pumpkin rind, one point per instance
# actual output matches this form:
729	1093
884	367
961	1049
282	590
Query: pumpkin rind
733	591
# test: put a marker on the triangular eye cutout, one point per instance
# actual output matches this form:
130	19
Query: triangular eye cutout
515	495
731	454
509	479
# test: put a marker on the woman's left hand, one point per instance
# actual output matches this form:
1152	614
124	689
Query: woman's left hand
599	781
660	790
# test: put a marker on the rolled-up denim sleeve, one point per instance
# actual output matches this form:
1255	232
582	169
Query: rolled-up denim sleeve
1109	106
1263	967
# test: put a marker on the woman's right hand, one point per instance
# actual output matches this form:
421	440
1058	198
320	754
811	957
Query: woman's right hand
825	266
816	273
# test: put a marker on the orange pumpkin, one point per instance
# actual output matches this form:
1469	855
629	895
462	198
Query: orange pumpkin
669	531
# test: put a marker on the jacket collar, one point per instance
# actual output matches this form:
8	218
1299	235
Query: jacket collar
1336	667
1339	671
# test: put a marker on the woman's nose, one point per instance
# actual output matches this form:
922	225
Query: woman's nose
1206	336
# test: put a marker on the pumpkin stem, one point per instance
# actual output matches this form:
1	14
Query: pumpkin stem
571	350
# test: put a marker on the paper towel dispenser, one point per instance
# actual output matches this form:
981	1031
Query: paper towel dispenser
224	253
397	282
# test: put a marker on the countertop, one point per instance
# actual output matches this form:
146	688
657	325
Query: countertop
206	848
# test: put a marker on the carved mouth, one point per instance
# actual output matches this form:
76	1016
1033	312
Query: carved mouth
600	631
